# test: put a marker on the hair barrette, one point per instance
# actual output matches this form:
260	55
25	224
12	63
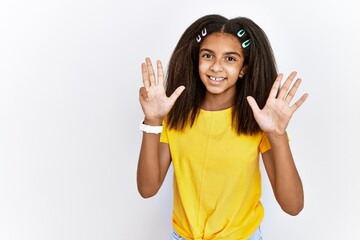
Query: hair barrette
203	33
245	43
241	33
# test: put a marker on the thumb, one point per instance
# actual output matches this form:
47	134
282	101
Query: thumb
176	94
143	93
253	104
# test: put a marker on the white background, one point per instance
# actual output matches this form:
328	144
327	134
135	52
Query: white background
69	114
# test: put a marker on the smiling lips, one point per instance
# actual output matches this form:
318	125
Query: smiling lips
216	80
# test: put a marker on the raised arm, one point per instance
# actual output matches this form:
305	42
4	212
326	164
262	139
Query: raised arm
154	158
278	161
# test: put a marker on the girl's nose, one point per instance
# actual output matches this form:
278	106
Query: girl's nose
216	67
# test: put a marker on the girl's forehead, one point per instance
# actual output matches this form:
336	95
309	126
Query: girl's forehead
221	40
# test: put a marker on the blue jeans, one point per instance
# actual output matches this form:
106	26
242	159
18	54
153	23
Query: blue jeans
256	235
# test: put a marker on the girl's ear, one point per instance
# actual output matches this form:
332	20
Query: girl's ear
243	71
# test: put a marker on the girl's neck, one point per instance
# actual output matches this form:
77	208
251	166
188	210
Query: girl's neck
213	102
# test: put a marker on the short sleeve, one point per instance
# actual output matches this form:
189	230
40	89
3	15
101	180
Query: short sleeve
164	135
264	143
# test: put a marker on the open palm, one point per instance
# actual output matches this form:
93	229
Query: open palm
277	112
154	102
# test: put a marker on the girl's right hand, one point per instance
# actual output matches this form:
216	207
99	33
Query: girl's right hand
154	102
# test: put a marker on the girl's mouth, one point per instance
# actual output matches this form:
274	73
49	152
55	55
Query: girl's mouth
216	80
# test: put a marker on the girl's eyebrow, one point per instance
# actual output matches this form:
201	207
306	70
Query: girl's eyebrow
206	49
226	53
234	53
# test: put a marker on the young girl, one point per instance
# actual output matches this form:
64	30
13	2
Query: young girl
225	106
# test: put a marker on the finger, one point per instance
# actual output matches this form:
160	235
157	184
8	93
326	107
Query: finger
275	87
285	87
160	73
145	76
299	102
255	108
150	70
293	90
176	94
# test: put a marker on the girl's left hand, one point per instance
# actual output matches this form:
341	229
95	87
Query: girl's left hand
277	112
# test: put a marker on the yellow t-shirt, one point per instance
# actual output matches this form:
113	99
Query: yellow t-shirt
217	182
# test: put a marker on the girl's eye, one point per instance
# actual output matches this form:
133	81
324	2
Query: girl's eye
206	55
230	59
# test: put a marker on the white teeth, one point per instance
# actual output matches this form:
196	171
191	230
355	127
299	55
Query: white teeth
217	78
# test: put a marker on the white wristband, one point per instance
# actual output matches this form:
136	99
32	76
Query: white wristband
150	129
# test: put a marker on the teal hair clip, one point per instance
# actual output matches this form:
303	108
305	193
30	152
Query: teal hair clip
241	33
246	43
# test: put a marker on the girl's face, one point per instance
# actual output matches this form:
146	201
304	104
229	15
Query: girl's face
221	63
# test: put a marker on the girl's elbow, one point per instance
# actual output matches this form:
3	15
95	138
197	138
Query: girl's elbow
293	210
147	192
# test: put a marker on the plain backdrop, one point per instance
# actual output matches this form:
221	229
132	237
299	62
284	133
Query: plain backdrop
69	114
